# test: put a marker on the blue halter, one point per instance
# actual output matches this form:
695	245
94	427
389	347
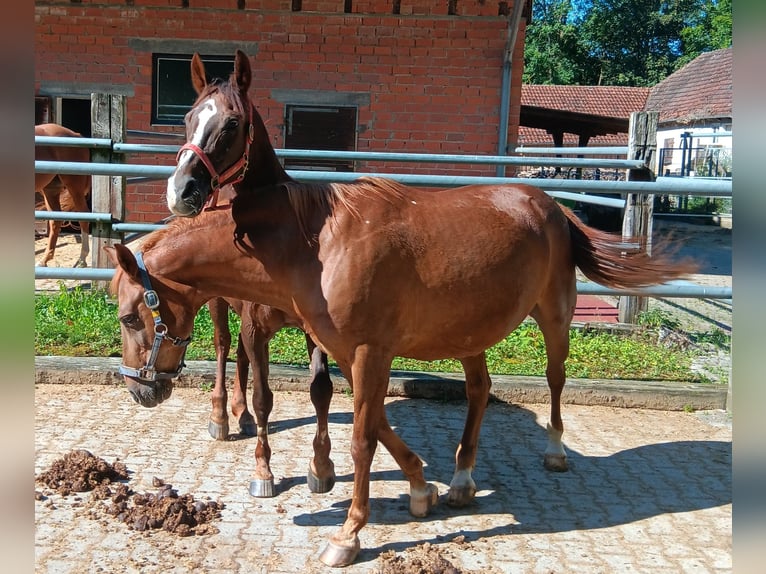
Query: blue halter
148	372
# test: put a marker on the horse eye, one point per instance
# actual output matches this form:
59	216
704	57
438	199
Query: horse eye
231	124
130	320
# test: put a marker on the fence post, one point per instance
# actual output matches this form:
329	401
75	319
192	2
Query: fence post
639	207
108	192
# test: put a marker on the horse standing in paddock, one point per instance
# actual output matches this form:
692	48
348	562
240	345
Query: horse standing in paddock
51	187
259	323
374	270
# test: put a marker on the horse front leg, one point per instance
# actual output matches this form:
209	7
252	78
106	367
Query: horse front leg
369	371
218	425
255	341
423	495
462	488
321	475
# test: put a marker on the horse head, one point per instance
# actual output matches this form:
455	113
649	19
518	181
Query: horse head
149	313
226	142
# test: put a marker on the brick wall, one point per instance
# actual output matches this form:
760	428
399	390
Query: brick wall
433	78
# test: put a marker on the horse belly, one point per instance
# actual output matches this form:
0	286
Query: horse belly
461	324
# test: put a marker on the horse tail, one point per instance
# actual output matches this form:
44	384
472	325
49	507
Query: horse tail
621	263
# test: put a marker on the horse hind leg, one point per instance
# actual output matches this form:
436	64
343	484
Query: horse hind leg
51	194
218	425
462	488
78	186
554	321
321	474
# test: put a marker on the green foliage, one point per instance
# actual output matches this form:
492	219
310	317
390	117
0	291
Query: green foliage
657	318
620	42
553	50
84	323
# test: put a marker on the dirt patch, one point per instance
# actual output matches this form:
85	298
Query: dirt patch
81	471
423	559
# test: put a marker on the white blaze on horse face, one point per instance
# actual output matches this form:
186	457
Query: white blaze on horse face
208	110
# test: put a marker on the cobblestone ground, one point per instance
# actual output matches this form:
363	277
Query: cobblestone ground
648	491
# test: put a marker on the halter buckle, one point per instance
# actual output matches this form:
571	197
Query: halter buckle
151	299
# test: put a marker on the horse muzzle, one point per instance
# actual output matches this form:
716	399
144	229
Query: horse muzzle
149	393
188	199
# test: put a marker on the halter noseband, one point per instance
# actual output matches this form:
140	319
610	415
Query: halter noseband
148	372
217	181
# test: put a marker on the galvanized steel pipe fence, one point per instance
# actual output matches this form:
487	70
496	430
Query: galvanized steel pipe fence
585	191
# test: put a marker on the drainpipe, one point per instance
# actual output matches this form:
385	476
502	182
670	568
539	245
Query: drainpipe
505	89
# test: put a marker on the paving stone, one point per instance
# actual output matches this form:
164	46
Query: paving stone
648	491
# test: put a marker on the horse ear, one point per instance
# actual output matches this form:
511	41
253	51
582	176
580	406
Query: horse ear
199	80
121	256
242	72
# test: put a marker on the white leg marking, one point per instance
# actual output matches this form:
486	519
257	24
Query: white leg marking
462	479
555	447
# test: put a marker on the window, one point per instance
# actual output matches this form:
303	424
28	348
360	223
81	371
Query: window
172	90
323	128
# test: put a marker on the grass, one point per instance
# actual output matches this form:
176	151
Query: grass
81	322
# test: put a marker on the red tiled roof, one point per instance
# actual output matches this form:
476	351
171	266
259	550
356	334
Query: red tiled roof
607	101
701	90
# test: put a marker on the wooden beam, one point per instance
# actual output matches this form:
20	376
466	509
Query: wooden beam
108	192
639	208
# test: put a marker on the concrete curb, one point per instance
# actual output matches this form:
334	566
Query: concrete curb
658	395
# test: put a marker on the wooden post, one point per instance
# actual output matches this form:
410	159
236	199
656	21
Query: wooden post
639	207
108	192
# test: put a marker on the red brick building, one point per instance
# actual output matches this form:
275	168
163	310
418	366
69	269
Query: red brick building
369	75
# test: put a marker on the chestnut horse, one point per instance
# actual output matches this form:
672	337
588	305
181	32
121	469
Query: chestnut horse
51	187
373	270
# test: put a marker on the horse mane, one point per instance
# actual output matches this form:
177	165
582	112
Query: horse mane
308	199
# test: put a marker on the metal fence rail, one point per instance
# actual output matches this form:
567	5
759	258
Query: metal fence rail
560	188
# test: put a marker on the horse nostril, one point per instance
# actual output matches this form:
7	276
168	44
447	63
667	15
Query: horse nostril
190	190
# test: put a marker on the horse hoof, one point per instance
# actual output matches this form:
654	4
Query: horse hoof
421	502
218	432
556	462
337	555
80	264
460	497
320	485
261	488
248	428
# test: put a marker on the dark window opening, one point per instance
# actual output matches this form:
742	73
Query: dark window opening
172	90
320	128
75	115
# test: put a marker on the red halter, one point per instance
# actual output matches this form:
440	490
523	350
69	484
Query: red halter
230	175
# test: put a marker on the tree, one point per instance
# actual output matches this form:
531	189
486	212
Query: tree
620	42
554	52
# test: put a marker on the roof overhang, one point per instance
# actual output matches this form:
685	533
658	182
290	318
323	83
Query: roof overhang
559	121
